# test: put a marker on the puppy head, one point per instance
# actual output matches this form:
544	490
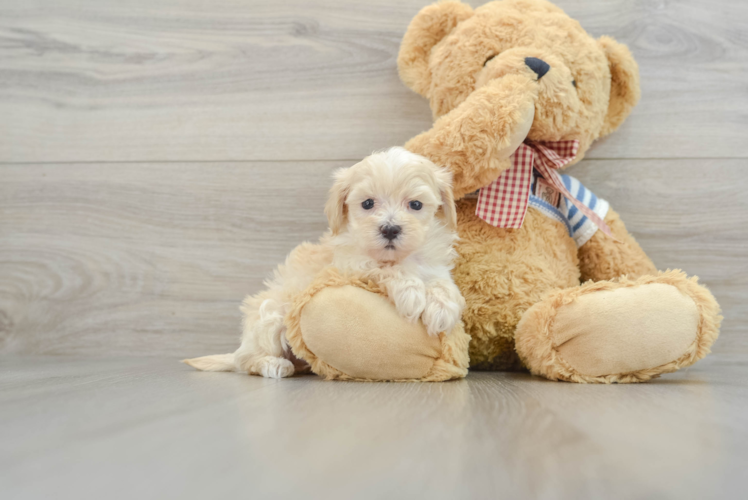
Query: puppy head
389	202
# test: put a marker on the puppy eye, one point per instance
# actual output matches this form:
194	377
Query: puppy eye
484	64
368	204
416	205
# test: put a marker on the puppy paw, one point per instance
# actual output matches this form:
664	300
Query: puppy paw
444	306
272	367
409	297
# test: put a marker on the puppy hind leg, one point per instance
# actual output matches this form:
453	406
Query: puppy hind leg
262	351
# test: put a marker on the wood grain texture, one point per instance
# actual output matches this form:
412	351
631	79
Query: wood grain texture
120	254
189	80
153	259
158	159
154	429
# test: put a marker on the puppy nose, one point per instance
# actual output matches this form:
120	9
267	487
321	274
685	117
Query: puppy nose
539	66
390	232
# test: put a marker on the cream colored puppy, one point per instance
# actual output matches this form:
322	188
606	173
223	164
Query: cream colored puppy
392	219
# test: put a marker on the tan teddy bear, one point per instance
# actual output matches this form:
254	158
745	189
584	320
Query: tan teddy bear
552	279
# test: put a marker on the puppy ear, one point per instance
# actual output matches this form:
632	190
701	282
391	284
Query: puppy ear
444	182
430	25
624	85
335	206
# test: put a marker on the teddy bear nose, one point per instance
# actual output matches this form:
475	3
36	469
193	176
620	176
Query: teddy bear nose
390	232
539	66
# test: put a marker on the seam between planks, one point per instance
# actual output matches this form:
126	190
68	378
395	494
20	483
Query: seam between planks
317	160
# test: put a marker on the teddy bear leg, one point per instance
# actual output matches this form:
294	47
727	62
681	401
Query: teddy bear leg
619	331
348	330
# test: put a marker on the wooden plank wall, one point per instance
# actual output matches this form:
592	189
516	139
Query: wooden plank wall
157	159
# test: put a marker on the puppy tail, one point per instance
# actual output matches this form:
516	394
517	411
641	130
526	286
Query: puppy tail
215	363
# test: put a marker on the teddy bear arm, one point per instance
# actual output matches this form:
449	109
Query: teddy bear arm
475	139
602	258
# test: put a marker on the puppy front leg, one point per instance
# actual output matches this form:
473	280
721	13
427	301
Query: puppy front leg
408	294
262	351
444	305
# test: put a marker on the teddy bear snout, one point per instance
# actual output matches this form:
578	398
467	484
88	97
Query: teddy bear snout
539	66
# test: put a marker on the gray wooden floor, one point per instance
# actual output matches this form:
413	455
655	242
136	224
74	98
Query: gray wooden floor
159	157
149	428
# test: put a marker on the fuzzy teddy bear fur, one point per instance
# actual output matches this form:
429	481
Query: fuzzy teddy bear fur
508	72
471	65
404	352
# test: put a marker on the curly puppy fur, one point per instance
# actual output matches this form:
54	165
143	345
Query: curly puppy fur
392	220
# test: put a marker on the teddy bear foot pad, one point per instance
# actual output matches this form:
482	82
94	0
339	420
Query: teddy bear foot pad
619	331
352	332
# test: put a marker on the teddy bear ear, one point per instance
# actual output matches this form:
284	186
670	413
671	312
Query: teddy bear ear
429	26
624	86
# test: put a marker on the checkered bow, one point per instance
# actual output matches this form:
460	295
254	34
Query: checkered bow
503	203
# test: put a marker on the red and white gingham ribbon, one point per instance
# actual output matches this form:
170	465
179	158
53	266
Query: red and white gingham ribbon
503	203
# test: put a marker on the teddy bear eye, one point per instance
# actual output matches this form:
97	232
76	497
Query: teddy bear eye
416	205
574	82
484	64
368	204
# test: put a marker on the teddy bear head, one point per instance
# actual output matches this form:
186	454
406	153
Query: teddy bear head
585	87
